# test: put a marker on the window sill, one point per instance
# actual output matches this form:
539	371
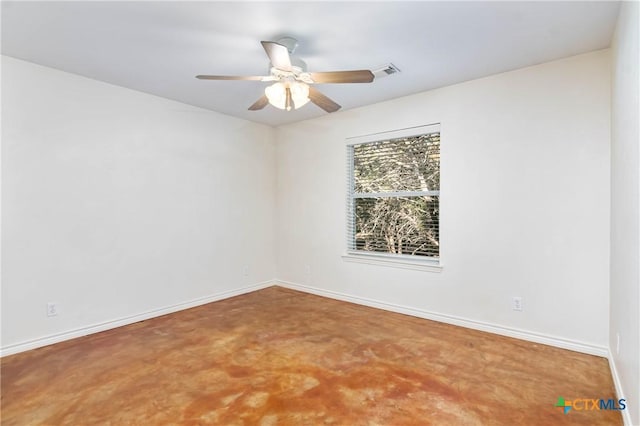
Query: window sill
393	261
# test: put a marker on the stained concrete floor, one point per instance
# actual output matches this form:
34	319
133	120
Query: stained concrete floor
280	357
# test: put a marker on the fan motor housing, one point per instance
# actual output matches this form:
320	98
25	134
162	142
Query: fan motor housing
289	42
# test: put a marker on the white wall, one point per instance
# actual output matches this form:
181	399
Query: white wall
525	203
117	203
625	211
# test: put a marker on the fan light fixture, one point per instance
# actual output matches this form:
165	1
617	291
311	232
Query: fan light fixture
287	95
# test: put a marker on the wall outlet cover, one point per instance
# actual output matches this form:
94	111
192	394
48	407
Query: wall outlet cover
517	303
52	309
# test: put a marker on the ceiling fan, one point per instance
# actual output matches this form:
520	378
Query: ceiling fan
291	89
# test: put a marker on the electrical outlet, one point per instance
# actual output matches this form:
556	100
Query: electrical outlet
517	303
245	270
52	309
617	343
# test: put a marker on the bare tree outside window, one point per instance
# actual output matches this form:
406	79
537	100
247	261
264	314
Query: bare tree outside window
395	195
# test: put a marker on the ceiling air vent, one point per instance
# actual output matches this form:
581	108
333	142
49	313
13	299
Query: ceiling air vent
385	70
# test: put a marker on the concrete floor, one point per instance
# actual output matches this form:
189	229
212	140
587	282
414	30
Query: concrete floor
280	357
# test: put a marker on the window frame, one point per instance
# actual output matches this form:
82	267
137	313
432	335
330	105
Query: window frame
423	263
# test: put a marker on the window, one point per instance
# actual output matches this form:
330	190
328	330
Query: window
394	194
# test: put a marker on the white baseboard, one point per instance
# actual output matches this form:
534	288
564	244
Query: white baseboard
107	325
448	319
544	339
626	414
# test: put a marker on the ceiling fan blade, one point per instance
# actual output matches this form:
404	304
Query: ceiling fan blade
230	77
259	104
322	101
278	55
356	76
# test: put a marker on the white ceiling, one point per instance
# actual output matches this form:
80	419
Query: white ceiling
158	47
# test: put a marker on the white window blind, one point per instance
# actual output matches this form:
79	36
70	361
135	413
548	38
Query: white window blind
393	202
